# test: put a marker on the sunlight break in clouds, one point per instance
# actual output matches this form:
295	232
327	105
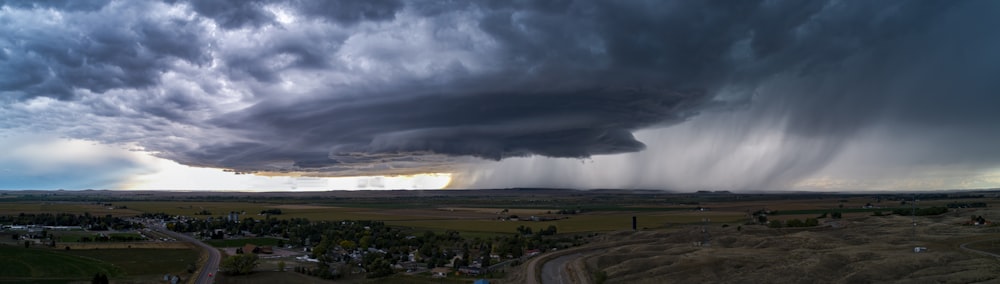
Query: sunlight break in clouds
170	175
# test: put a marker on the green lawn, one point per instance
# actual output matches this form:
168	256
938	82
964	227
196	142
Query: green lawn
419	279
71	237
143	261
227	243
44	265
21	264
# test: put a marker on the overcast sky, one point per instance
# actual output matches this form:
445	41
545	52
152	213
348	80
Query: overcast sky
676	95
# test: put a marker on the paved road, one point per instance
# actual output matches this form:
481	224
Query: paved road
964	246
556	271
210	267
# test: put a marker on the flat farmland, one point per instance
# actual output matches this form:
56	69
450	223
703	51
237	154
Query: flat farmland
79	208
143	261
311	212
143	265
484	219
34	264
472	219
579	223
216	209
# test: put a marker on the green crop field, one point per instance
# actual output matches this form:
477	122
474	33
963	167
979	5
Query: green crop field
36	264
71	236
190	208
436	220
75	236
79	208
220	209
337	213
240	242
421	279
143	261
20	264
574	224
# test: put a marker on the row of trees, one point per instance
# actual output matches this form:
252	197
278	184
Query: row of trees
525	230
65	219
795	223
274	211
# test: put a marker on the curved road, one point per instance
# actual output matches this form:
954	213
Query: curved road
964	246
211	266
557	271
564	267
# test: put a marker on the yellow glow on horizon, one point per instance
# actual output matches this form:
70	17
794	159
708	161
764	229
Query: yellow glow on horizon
173	176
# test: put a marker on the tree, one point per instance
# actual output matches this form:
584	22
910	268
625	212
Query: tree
812	222
281	265
551	230
365	242
239	264
836	215
762	219
99	278
347	244
27	244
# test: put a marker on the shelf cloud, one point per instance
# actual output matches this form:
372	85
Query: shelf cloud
660	94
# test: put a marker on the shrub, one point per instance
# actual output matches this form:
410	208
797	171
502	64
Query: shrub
812	222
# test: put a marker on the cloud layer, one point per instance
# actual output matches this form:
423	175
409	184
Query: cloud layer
751	94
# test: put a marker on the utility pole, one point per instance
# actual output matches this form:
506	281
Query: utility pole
913	215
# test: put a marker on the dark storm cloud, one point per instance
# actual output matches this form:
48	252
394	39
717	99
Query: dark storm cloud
233	13
350	11
92	53
491	125
396	86
65	5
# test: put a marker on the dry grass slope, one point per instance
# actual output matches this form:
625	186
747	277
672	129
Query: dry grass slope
864	250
